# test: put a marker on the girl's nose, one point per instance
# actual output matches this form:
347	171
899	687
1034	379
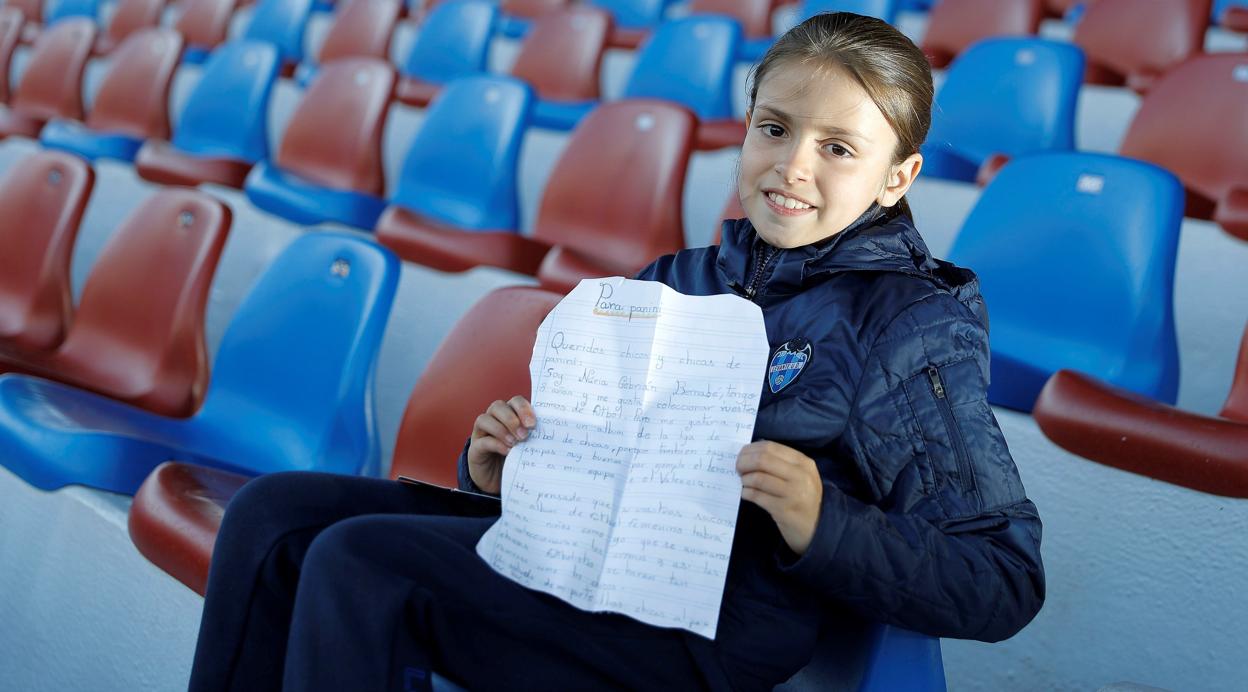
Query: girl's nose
795	167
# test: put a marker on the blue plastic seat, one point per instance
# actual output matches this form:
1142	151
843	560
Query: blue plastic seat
870	657
753	49
282	23
453	42
291	386
634	14
57	10
461	167
1075	255
131	105
1004	96
224	125
328	166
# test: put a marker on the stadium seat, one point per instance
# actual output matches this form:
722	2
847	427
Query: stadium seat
203	25
11	21
51	86
42	199
596	229
328	165
459	176
282	23
1119	428
690	61
138	333
131	104
129	16
453	42
224	126
1192	123
177	511
1231	14
1100	233
632	20
754	16
953	25
1062	9
1133	42
291	385
53	12
753	48
516	17
361	29
560	58
1002	98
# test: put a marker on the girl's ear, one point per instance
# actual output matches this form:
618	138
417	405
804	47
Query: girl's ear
900	177
748	115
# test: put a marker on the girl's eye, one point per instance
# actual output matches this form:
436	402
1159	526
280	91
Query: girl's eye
838	151
773	130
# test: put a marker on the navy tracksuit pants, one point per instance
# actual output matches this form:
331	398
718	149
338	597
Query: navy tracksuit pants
328	582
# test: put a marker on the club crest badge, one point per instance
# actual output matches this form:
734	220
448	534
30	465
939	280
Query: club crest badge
787	363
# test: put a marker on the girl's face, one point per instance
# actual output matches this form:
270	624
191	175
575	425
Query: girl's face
817	153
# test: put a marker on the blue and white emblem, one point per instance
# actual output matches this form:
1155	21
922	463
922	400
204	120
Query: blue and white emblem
787	363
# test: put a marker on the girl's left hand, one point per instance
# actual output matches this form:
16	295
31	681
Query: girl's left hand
786	483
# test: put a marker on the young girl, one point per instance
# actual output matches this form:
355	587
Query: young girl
879	487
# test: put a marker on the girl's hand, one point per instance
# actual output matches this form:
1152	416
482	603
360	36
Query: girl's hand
503	425
786	483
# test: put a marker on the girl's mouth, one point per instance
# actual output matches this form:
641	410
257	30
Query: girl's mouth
786	206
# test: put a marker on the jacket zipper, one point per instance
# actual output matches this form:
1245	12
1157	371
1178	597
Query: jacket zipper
946	412
760	268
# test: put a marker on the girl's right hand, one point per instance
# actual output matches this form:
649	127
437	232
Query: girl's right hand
503	425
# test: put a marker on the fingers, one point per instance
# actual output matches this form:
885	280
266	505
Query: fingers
524	410
765	484
774	458
508	421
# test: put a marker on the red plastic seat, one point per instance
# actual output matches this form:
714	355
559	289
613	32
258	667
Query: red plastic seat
42	199
334	136
561	55
177	512
753	15
204	23
532	9
128	17
952	25
32	11
611	205
1192	123
1234	18
11	21
133	98
1133	42
1133	433
51	87
361	28
138	334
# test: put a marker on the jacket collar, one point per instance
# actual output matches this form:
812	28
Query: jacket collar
879	240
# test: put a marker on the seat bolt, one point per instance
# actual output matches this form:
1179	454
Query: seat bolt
341	268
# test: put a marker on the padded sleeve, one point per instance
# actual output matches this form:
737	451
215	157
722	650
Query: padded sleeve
948	543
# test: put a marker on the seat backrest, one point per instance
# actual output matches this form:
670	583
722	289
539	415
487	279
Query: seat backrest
881	9
461	166
134	95
561	55
1236	406
41	203
1009	96
32	10
953	25
454	41
131	16
532	9
282	23
634	14
204	23
334	136
63	9
227	113
1141	36
294	369
51	87
361	28
483	359
1100	234
754	16
616	189
1192	122
139	330
11	21
689	61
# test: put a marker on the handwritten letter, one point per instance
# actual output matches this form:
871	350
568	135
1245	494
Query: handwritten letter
625	496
